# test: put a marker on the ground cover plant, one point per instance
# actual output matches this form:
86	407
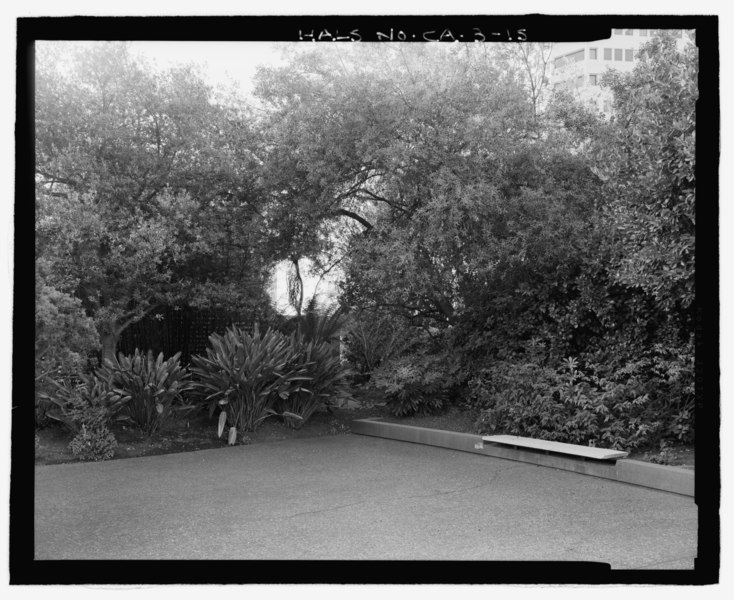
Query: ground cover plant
87	410
96	443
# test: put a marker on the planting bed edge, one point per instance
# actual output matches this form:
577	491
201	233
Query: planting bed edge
660	477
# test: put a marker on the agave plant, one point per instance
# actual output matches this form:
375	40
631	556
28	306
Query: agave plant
244	375
153	385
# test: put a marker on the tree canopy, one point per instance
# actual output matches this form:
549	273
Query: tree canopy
144	188
648	165
435	154
452	189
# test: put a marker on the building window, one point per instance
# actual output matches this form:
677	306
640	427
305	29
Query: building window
618	31
628	55
592	80
627	32
592	53
607	54
617	54
579	81
643	32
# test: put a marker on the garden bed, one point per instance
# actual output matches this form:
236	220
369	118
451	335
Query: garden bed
683	455
199	432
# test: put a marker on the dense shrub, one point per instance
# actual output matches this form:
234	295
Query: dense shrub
43	404
93	443
87	401
316	324
665	374
245	374
86	407
413	384
625	409
152	384
327	380
64	337
371	339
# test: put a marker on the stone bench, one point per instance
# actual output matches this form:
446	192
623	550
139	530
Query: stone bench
586	452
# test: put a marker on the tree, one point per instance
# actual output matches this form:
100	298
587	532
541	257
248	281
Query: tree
434	154
145	188
647	161
64	335
529	62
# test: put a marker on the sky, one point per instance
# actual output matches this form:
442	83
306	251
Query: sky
222	62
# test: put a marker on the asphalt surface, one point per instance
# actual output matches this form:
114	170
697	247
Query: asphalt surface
353	497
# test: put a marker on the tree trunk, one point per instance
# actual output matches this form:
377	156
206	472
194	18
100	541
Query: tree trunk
112	330
295	288
109	345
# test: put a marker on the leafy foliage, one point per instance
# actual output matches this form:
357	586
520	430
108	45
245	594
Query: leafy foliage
88	401
65	336
316	324
152	385
145	188
93	443
372	338
326	380
504	243
64	339
453	198
414	384
245	374
665	456
647	161
626	409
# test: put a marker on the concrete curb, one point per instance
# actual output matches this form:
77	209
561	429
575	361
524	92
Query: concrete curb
659	477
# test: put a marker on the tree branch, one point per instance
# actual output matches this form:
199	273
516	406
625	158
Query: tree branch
348	213
125	321
373	196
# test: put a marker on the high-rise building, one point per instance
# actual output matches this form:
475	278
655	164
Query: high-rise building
579	66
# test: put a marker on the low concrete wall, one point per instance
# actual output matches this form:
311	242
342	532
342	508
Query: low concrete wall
659	477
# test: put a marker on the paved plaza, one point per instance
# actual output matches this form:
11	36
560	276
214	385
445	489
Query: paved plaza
355	498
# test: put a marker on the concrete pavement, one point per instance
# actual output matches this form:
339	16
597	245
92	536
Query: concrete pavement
355	498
